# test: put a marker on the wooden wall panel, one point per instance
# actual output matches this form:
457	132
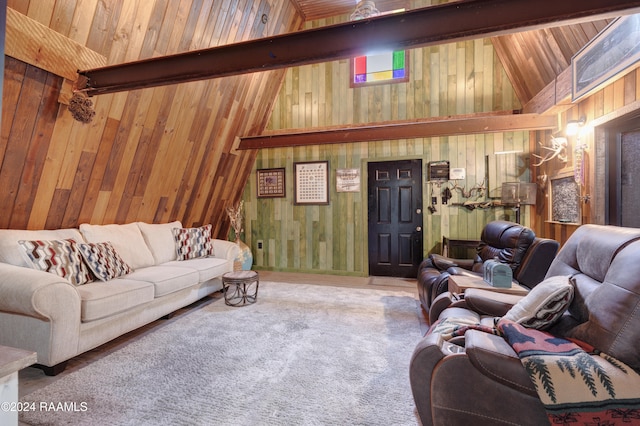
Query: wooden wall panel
169	153
445	80
151	155
615	100
533	59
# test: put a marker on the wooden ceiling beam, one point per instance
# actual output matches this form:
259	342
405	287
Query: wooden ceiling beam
461	20
29	41
554	98
430	127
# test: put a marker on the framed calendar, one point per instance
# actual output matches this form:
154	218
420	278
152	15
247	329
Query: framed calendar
311	182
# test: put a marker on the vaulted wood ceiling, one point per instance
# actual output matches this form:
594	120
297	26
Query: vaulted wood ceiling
537	63
532	59
170	152
318	9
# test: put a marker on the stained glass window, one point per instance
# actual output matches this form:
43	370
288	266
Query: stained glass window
380	67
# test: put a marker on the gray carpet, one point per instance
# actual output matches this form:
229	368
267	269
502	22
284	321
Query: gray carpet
301	355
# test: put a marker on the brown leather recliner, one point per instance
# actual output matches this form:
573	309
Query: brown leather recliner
528	256
482	381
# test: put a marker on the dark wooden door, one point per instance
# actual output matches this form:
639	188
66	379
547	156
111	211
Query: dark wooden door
624	175
395	218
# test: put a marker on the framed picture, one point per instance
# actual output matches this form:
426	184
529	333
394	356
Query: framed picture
271	183
348	180
564	206
311	182
613	50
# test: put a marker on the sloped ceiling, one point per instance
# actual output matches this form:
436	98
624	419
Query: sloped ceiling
169	153
318	9
532	59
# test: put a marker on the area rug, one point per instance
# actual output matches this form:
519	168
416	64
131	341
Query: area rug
301	355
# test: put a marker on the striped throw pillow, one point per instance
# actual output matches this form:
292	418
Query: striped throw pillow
59	257
192	243
104	261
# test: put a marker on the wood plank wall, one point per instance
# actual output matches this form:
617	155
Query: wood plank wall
451	79
152	155
533	59
616	100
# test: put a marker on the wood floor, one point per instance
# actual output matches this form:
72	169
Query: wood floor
31	379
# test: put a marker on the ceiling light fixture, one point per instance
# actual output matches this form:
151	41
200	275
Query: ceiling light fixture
364	9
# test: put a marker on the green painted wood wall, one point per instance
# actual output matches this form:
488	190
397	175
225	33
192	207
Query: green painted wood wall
458	78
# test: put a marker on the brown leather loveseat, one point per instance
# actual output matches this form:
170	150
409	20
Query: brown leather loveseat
480	379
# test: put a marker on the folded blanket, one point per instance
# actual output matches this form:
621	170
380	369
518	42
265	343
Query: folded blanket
576	383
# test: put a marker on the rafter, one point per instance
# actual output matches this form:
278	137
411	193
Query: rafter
431	127
447	22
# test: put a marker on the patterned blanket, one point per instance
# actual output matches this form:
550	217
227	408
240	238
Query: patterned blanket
576	383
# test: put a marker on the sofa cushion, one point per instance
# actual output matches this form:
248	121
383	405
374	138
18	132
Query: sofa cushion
208	267
159	239
9	251
104	261
544	304
166	279
59	257
126	239
191	243
103	299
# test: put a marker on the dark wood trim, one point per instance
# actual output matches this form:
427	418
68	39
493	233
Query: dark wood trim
449	22
438	126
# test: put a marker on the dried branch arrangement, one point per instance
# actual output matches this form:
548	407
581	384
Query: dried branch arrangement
235	214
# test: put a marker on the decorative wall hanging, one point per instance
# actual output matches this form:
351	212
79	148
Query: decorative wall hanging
613	50
565	199
558	149
271	183
348	180
311	182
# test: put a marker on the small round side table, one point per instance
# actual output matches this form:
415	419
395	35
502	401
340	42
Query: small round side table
240	287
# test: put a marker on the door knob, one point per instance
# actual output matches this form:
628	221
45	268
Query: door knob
418	228
418	211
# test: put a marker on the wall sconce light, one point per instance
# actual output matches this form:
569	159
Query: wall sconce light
573	126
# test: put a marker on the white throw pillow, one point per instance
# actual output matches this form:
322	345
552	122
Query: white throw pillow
159	238
544	304
126	239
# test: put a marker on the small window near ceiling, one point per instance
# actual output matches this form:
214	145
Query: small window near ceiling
378	67
385	67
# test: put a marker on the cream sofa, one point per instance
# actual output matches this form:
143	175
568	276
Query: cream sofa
43	312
